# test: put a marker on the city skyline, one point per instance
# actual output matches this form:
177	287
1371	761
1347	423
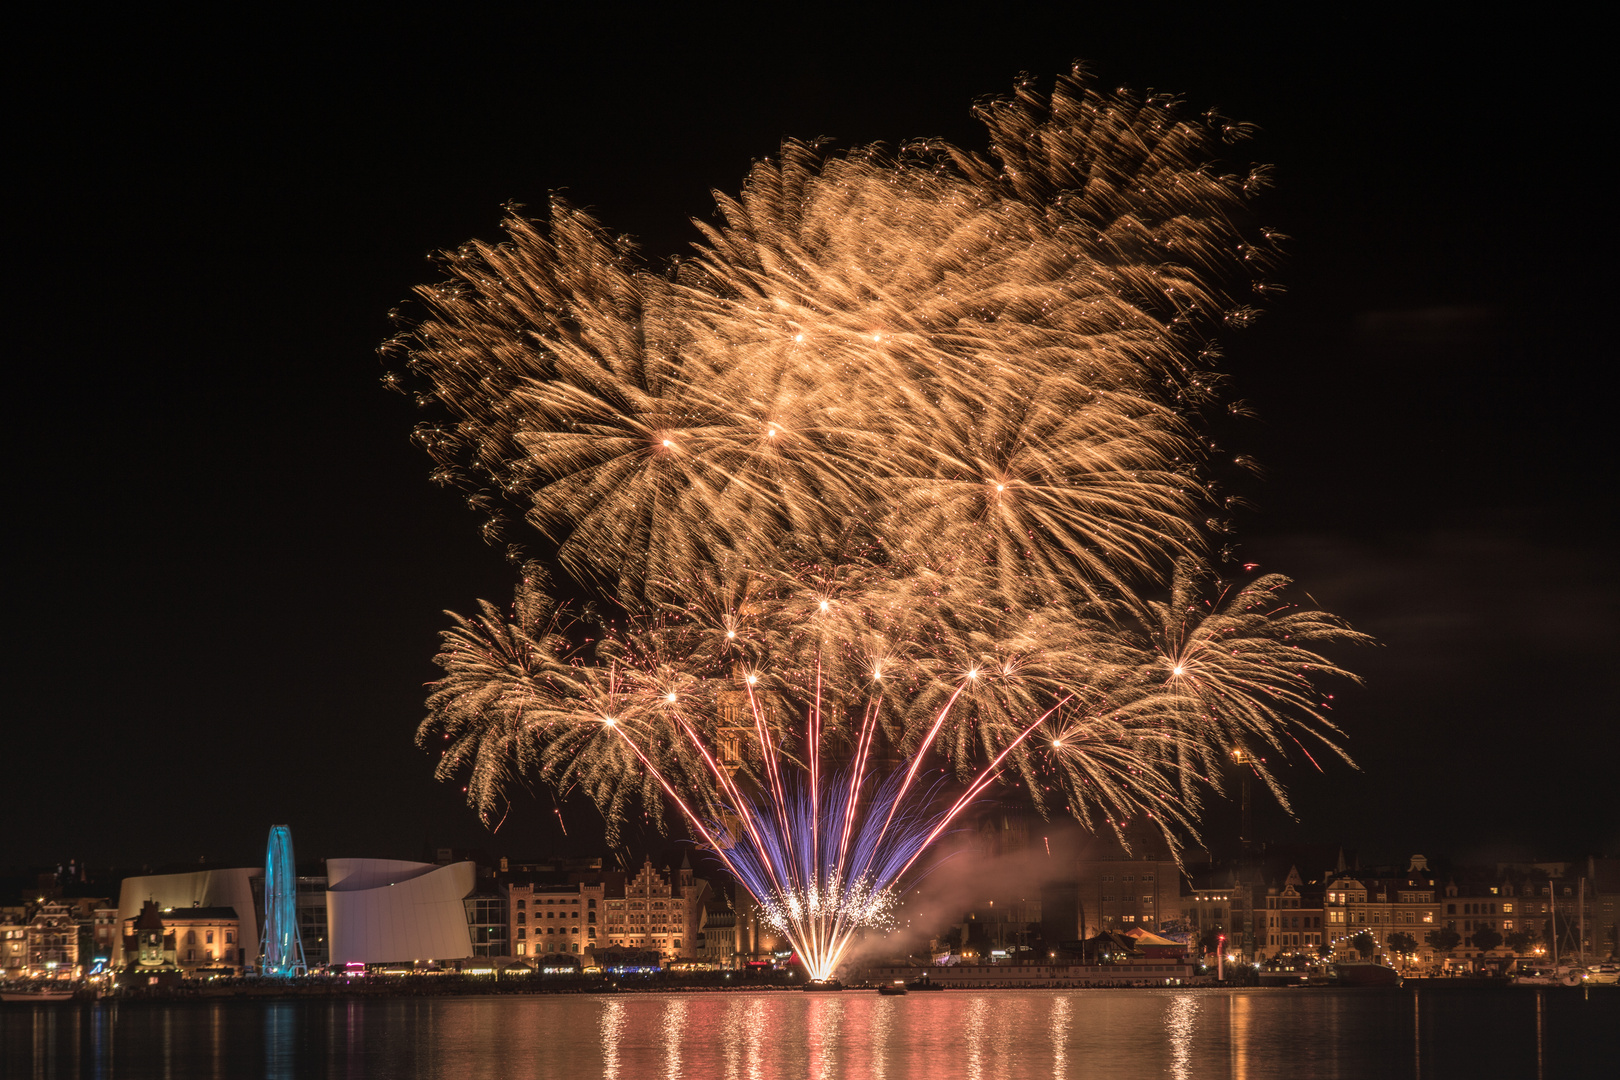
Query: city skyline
233	558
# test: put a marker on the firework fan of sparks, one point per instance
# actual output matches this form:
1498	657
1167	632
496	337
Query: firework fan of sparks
894	466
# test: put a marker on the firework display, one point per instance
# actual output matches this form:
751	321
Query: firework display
898	488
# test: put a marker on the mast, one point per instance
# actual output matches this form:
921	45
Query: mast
1580	910
1552	894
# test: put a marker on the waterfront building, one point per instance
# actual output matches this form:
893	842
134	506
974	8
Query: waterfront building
388	911
1381	906
106	936
1120	890
488	923
657	911
149	948
753	939
1210	913
1293	919
310	903
52	937
717	931
1009	929
233	888
13	945
556	917
1561	898
187	939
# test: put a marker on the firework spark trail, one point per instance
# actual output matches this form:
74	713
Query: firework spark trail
900	417
819	903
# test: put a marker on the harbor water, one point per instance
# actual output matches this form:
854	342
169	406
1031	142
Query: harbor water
1118	1034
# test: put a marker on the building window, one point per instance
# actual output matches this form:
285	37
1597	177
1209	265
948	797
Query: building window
521	946
210	937
230	937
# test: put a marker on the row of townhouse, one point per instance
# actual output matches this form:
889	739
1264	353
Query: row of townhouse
1473	915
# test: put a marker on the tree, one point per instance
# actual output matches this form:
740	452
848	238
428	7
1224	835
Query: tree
1444	940
1405	944
1487	938
1520	941
1364	944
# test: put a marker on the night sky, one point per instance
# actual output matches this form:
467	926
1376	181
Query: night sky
228	566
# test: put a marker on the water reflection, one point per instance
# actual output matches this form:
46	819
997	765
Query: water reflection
1417	1040
821	1032
1180	1020
978	1014
611	1024
280	1041
743	1032
1540	1052
674	1032
101	1041
1057	1029
879	1031
1237	1033
1073	1035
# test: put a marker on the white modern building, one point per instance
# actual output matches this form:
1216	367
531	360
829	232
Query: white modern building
381	911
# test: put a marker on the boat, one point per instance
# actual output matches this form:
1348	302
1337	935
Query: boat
822	986
894	989
35	997
923	982
1535	974
1605	974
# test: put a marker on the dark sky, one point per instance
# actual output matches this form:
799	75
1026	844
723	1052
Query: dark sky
229	567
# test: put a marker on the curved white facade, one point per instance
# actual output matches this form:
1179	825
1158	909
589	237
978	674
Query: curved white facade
231	888
382	911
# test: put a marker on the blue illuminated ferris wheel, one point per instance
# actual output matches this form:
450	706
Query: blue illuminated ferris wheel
282	950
